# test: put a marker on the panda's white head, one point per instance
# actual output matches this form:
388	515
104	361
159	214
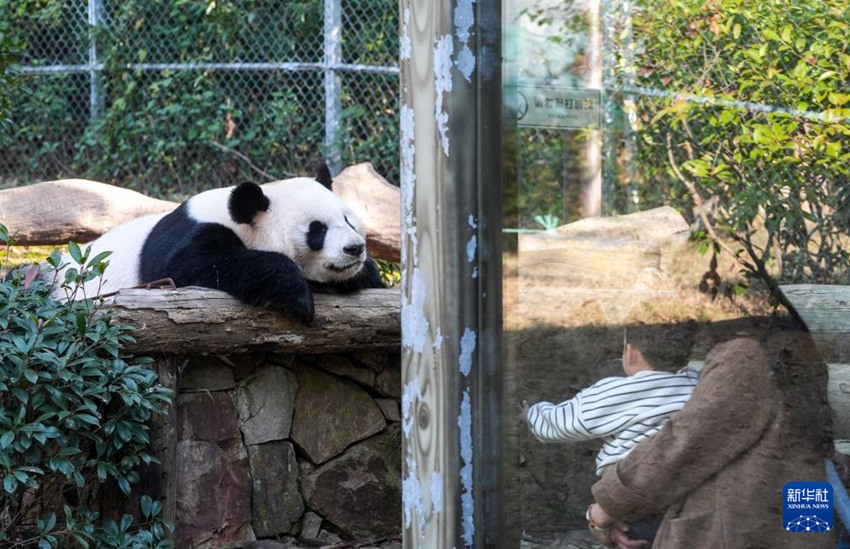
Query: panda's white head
301	218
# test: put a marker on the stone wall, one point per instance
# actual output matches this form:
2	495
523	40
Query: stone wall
286	447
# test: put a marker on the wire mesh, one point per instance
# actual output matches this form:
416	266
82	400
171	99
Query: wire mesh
371	32
59	36
175	97
370	115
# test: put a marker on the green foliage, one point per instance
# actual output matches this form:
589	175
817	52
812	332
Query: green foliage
390	272
175	132
73	416
371	36
9	78
182	131
753	141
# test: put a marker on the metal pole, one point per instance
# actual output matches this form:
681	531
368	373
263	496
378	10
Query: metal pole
94	75
333	84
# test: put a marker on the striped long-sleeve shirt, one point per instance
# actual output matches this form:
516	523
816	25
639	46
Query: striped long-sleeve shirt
622	411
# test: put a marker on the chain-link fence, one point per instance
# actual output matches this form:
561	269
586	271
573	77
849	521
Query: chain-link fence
177	96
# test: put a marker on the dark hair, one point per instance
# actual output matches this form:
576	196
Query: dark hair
665	346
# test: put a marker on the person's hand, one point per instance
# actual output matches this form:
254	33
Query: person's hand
619	537
609	531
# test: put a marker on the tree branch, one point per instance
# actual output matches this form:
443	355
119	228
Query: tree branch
245	159
758	268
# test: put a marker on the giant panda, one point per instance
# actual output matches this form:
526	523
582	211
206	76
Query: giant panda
268	245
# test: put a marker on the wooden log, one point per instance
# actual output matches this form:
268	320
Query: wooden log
838	393
55	212
825	309
202	321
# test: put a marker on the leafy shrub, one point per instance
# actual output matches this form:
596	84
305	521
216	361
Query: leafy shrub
73	416
758	152
390	272
9	78
174	132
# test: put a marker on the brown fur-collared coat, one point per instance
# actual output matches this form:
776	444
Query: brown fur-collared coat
757	420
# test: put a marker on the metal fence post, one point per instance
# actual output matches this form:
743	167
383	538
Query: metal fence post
92	66
333	84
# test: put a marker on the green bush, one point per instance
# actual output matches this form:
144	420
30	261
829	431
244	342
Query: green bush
755	149
172	133
9	78
73	417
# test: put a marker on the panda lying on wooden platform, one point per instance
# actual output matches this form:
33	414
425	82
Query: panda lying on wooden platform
266	245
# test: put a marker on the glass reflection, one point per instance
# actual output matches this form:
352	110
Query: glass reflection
677	177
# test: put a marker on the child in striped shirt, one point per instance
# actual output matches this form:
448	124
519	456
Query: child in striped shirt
622	411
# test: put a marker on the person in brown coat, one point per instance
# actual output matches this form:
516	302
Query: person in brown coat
757	419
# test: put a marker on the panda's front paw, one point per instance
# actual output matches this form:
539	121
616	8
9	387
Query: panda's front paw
297	303
303	308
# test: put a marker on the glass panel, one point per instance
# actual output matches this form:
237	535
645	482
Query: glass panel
676	203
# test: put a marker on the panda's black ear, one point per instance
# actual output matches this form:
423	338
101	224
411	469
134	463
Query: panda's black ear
324	176
246	201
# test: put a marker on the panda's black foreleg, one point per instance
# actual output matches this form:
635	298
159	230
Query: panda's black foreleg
220	261
265	279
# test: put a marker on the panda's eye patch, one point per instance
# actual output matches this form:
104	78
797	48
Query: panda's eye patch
316	235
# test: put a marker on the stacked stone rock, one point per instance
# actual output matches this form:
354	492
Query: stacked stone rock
284	447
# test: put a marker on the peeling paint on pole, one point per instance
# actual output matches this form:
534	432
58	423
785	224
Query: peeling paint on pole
467	349
464	20
472	246
467	501
407	120
443	84
436	491
464	423
412	499
414	324
438	340
404	44
413	320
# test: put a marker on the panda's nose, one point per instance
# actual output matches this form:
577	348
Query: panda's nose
354	249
